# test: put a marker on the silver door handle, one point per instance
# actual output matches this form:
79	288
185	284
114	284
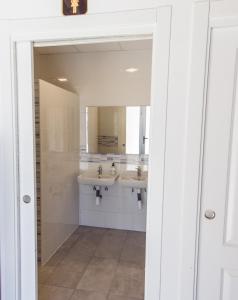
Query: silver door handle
27	199
210	214
144	138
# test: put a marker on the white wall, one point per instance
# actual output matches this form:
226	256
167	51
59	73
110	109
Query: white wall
183	138
100	78
59	136
53	8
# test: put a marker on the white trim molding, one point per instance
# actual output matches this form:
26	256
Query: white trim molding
196	115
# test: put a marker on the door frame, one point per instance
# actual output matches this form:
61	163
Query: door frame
162	22
22	89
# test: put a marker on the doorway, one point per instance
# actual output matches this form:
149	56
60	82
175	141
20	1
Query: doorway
24	91
92	108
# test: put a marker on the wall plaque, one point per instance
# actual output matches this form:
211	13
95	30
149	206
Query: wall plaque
74	7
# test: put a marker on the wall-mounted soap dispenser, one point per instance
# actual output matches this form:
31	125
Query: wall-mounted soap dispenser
113	169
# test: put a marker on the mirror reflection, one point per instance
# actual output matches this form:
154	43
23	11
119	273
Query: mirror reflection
116	130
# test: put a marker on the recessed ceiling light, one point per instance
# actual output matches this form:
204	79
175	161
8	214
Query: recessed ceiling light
132	70
62	79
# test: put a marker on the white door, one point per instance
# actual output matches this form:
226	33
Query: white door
218	253
27	194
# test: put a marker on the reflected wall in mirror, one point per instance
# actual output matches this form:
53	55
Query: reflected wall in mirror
116	129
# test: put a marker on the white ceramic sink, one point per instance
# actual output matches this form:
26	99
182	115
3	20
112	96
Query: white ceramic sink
130	179
92	178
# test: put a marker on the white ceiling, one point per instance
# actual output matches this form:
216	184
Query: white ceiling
97	47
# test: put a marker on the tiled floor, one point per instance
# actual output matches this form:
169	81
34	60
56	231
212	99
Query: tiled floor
96	264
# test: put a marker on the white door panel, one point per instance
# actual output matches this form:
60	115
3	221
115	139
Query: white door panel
218	253
26	172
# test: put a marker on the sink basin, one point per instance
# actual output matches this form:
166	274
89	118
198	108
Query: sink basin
130	179
92	178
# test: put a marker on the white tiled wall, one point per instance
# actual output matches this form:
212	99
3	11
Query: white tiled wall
118	208
59	147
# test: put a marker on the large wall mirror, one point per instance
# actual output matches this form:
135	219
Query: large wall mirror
115	130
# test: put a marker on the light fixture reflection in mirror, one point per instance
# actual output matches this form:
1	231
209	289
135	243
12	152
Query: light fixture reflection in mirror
132	70
116	130
62	79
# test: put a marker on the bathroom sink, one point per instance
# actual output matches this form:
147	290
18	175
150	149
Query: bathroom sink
92	178
130	179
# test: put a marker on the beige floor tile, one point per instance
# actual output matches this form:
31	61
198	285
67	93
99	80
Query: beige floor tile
84	228
110	246
98	275
76	252
94	237
116	233
43	273
54	293
70	242
125	286
133	253
84	247
80	230
88	295
136	238
88	229
115	297
128	281
57	258
63	278
76	265
131	271
88	261
99	230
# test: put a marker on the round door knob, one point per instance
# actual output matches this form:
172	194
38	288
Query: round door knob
27	199
210	214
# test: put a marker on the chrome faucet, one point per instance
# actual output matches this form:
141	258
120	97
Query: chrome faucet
99	171
139	171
